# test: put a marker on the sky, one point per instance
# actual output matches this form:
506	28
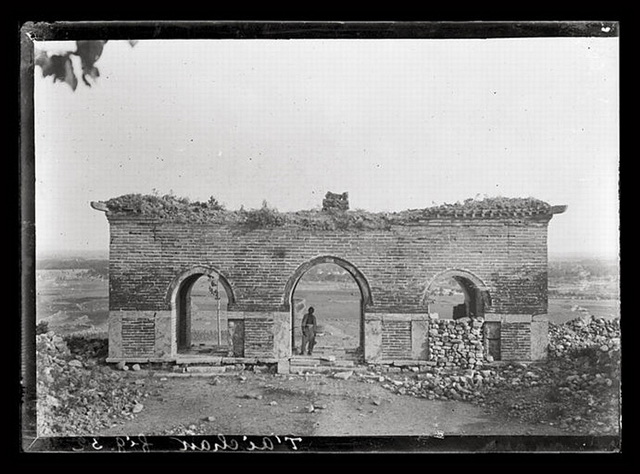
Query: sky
399	124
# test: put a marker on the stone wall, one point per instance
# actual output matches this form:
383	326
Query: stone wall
456	343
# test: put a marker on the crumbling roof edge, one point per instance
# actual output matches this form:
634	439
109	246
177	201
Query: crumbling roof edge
99	206
540	210
559	209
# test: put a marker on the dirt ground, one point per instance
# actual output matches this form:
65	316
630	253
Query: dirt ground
249	403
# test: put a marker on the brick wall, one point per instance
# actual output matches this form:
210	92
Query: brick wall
396	339
138	336
258	338
508	254
515	341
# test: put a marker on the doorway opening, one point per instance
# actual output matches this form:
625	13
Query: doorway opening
338	302
453	295
202	316
456	294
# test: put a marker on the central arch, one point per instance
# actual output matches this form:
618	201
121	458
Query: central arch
359	278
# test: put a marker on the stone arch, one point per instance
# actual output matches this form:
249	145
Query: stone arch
474	289
177	298
358	276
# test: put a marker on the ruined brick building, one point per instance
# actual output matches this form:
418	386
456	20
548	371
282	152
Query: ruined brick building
496	250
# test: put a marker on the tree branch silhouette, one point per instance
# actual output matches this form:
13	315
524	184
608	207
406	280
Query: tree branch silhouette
60	66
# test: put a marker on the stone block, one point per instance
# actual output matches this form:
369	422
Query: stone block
281	335
115	335
539	340
283	366
373	340
540	317
236	334
419	339
163	334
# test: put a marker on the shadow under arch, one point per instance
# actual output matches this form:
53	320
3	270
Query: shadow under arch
358	276
178	298
476	293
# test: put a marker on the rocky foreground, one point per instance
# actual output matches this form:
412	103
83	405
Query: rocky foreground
77	393
576	389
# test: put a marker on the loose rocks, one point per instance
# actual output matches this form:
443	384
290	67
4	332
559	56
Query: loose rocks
75	397
576	388
343	375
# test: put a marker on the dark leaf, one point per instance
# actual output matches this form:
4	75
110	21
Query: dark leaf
89	52
58	66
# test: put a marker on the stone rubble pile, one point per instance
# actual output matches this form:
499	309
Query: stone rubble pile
586	332
78	395
436	383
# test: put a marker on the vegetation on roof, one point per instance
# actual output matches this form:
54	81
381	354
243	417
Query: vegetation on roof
170	207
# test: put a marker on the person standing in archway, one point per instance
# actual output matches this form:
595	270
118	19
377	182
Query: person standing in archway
309	327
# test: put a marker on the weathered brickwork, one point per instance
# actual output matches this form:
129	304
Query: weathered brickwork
258	338
509	255
515	340
396	339
138	336
150	259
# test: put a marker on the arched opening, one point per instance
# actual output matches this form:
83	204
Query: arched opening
338	292
456	294
200	300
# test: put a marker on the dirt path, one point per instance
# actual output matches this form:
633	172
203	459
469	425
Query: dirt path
265	404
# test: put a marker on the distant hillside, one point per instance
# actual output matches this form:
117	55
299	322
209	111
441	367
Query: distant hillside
570	268
561	269
96	267
73	254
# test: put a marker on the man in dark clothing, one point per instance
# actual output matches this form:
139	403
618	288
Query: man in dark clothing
309	328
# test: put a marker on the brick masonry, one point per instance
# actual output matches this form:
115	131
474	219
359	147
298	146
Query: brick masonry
396	339
508	254
258	338
515	340
138	336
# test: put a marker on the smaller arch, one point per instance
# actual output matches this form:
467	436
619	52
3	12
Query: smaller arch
358	276
468	281
191	275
